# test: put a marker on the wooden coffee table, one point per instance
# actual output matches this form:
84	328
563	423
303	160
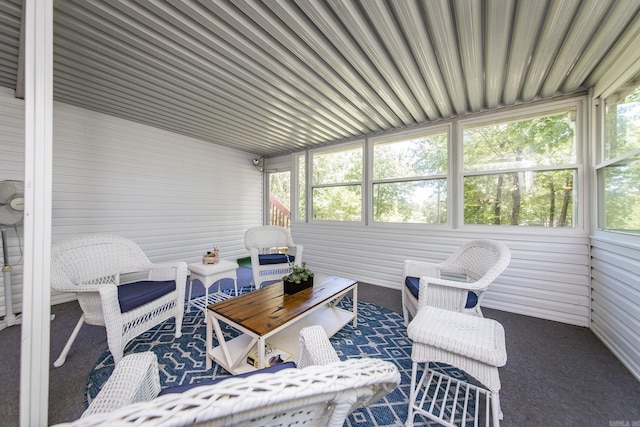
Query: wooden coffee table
268	315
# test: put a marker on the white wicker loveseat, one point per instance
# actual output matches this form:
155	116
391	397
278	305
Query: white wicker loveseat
93	266
321	391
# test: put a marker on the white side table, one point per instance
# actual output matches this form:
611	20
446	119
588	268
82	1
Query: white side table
209	274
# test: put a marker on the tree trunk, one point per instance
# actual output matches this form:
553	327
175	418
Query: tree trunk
517	198
552	206
496	206
566	198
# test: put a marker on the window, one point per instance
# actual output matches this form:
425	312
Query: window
619	174
336	184
410	180
521	172
279	198
512	169
302	187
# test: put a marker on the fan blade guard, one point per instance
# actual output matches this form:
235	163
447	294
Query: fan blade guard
11	202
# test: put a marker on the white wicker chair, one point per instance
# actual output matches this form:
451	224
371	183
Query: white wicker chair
92	267
322	391
266	245
471	268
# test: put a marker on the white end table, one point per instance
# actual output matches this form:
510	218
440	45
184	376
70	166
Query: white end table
209	274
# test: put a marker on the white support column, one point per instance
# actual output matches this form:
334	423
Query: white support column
34	366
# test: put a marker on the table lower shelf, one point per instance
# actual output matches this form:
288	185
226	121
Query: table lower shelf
332	319
203	301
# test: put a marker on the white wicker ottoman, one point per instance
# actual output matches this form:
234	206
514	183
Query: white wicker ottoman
473	344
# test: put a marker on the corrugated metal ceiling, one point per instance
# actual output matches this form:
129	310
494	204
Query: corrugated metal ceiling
275	76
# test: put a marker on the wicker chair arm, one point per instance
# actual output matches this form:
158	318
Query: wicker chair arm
112	315
134	379
420	268
78	288
291	396
315	347
169	271
478	285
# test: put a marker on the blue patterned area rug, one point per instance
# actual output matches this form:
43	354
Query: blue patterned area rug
380	334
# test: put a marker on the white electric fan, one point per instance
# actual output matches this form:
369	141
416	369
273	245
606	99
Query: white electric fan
11	211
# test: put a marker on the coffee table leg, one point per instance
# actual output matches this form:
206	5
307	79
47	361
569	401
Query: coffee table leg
222	343
355	306
209	339
261	345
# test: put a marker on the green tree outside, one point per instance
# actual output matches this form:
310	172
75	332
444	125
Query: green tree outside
533	190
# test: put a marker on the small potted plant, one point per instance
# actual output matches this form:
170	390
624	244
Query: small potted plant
300	278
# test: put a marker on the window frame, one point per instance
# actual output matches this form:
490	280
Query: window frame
602	163
296	201
455	173
522	113
311	186
423	131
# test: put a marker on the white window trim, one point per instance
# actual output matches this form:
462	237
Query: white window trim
359	143
599	229
423	131
295	195
582	142
455	174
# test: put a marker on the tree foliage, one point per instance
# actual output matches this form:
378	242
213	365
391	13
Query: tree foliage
621	180
528	192
515	173
409	189
280	186
337	191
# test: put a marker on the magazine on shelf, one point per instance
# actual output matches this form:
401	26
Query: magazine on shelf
272	355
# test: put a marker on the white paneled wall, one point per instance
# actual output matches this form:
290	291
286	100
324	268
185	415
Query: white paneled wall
173	195
548	276
616	297
12	167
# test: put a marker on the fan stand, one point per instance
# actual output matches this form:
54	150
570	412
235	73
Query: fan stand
10	319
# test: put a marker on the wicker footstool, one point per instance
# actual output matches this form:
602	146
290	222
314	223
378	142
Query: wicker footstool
473	344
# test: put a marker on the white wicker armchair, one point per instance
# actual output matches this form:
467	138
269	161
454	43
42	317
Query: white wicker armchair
265	244
323	393
471	268
92	266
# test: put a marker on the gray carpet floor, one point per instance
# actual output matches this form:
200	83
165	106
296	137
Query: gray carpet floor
556	374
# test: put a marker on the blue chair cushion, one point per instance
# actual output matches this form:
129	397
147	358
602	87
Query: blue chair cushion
136	294
185	387
413	284
268	259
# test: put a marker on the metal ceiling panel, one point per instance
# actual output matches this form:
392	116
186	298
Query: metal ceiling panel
469	16
528	21
10	21
579	34
442	33
276	76
499	24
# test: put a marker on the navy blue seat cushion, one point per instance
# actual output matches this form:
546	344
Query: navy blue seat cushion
413	284
185	387
268	259
135	294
